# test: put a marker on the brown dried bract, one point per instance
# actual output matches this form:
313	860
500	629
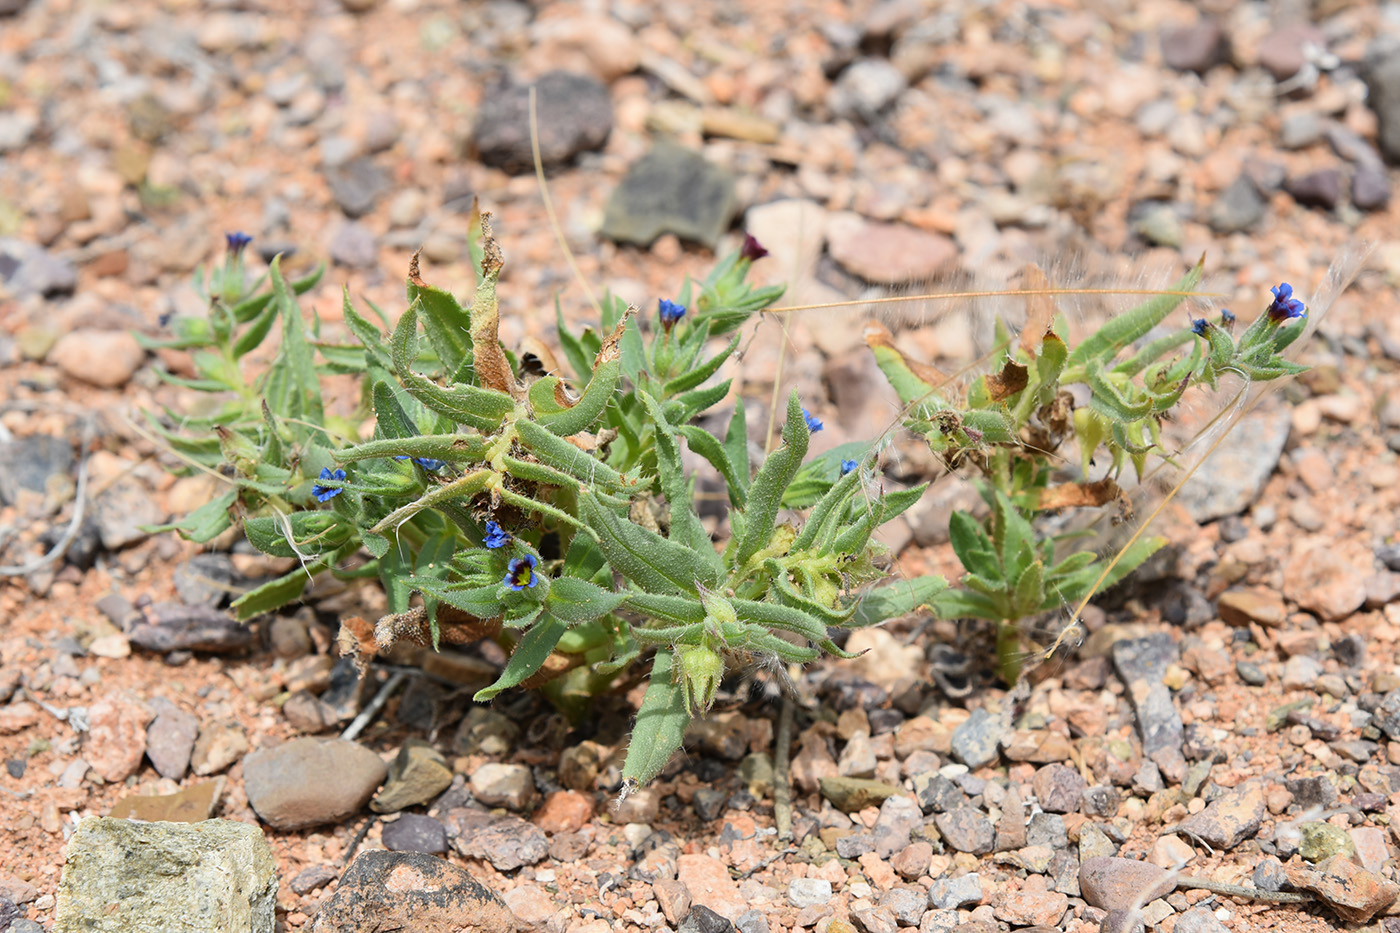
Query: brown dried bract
413	276
356	641
1080	495
1011	380
611	348
1040	309
877	335
363	642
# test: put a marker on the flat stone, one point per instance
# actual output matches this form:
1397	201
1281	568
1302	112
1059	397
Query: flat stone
357	185
123	876
977	739
532	906
852	794
671	190
219	745
414	832
310	782
808	892
170	739
564	811
1255	604
384	890
417	774
1354	893
1026	908
122	511
354	246
1234	817
28	463
188	805
313	877
29	269
171	626
573	115
1059	788
952	893
1238	208
1195	48
507	842
966	830
1120	883
1322	581
887	253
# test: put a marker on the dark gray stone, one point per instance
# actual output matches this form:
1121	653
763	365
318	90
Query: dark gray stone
702	919
206	579
409	890
1196	48
855	845
1381	72
1239	467
573	115
671	190
966	830
976	740
1370	187
952	893
1239	207
1251	673
1047	829
752	921
26	463
355	246
357	186
709	803
937	794
177	627
413	832
313	877
1321	189
28	269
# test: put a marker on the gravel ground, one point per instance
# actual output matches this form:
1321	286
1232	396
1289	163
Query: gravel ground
1233	718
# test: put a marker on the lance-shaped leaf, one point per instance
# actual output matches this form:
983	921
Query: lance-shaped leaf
444	319
292	388
607	370
1130	325
642	556
205	523
251	307
365	332
482	602
697	375
451	447
577	601
684	407
736	444
766	494
298	535
965	604
492	367
677	609
828	511
1109	400
661	724
685	524
892	600
252	338
534	648
556	452
273	594
479	408
912	381
708	446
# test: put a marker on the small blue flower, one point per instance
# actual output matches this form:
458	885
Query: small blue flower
1198	326
1285	307
1227	317
520	573
426	463
847	466
326	493
813	423
495	536
670	312
237	241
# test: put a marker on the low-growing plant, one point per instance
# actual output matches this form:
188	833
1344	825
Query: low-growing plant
542	501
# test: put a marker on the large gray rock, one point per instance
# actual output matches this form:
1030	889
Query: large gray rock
217	876
573	114
308	782
410	891
671	190
1382	74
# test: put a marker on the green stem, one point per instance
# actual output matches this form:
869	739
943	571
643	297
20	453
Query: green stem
1009	652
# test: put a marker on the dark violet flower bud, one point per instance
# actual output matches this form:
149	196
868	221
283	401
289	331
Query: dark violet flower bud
670	312
237	241
520	573
495	536
1285	307
847	466
326	493
752	249
1227	317
813	423
1198	326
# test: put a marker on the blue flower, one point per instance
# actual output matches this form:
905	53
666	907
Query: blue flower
670	312
1227	317
237	241
495	536
752	249
426	463
847	466
813	423
520	573
1285	307
1198	326
326	493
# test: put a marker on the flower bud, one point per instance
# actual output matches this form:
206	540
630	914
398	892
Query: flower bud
701	671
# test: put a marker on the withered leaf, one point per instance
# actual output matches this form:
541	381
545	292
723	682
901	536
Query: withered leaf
1040	309
1011	379
1080	495
877	335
